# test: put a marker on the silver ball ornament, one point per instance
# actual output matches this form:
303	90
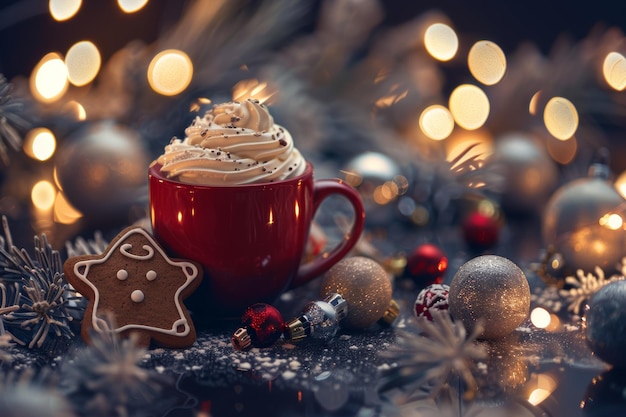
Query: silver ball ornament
529	174
493	290
368	173
572	225
366	287
102	169
605	323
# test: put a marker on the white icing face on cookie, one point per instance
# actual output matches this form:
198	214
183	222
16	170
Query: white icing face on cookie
137	287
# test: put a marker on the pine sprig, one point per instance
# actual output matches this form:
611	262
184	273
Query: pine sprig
424	362
106	377
39	293
11	120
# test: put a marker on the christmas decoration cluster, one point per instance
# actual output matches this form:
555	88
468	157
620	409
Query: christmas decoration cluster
460	248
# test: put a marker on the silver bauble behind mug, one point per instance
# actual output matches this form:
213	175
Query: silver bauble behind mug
575	224
102	169
529	174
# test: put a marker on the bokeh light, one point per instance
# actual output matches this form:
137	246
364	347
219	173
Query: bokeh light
39	144
64	212
48	81
562	151
486	62
441	41
63	9
83	63
540	317
170	72
436	122
560	118
253	88
614	70
533	104
543	385
75	109
478	144
131	6
469	106
620	184
612	221
43	194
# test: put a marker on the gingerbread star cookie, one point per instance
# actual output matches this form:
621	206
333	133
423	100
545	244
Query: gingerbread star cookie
140	285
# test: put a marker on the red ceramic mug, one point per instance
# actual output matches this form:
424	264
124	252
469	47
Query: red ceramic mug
250	239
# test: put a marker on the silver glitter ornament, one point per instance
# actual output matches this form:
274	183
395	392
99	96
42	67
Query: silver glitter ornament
493	290
318	320
575	223
605	323
102	169
323	320
366	287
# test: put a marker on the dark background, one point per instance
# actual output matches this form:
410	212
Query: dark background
27	31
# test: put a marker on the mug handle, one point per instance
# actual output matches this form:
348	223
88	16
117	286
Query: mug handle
322	262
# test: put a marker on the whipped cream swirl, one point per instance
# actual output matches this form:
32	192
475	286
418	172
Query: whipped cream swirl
233	143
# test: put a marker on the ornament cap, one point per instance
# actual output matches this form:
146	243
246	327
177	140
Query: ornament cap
600	167
241	339
391	314
298	329
339	304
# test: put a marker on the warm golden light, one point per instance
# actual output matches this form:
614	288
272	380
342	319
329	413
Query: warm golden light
40	144
469	106
476	144
534	103
42	195
252	88
612	221
63	9
614	70
545	385
486	62
562	151
441	41
436	122
540	317
64	212
48	81
75	109
83	63
620	184
131	6
170	72
561	118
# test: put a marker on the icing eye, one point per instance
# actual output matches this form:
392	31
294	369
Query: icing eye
151	275
137	296
122	274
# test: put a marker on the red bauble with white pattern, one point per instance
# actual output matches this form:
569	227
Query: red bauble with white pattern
434	297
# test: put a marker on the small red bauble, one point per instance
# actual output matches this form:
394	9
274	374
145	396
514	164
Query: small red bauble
481	231
433	297
262	326
426	265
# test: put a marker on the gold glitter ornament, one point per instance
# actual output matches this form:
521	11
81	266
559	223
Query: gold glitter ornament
366	287
493	290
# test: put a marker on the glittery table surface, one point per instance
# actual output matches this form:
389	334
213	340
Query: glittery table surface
534	372
341	377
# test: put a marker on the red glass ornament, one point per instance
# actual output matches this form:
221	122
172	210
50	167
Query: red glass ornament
264	324
426	265
481	231
433	297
